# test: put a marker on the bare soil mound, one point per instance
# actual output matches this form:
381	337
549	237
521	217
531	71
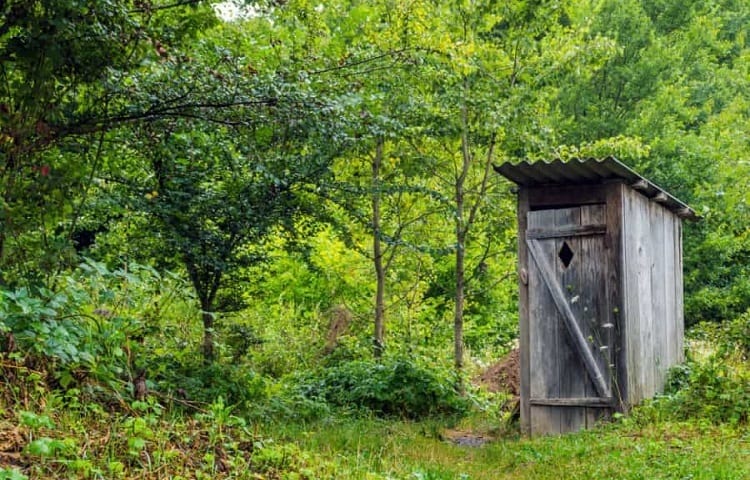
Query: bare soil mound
503	376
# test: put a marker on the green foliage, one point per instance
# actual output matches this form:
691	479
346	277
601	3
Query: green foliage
148	441
736	340
243	156
92	327
715	387
397	387
195	382
713	391
11	474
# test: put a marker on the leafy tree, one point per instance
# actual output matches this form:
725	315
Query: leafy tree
487	74
68	75
670	98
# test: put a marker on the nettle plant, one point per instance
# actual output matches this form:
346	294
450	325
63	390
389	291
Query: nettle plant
91	329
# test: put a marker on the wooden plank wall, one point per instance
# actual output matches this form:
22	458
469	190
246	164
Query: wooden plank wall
523	311
593	310
652	294
546	332
572	374
561	389
615	285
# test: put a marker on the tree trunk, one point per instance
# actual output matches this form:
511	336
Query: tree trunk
377	251
2	255
207	315
458	316
206	284
461	231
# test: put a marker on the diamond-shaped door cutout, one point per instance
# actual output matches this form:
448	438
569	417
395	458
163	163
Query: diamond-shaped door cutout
565	254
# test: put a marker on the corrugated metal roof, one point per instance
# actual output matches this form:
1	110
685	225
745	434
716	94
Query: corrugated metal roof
587	171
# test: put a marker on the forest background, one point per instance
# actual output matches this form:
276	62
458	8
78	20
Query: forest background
284	212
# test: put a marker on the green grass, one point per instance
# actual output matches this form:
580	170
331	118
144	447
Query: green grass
664	450
145	442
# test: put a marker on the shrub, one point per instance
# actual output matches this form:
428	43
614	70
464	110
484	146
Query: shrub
713	390
736	338
90	330
396	387
196	382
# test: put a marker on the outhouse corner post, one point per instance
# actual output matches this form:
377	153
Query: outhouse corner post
615	217
523	311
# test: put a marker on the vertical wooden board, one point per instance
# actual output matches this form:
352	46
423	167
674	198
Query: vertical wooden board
670	329
593	306
573	377
523	310
680	320
659	308
615	286
629	317
643	299
544	332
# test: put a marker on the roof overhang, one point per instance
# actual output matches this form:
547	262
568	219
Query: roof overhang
591	171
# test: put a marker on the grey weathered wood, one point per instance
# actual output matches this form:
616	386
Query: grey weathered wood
661	312
594	311
653	300
629	326
523	312
641	185
644	301
570	231
544	333
570	322
591	402
637	315
679	320
598	334
562	196
614	288
573	377
673	313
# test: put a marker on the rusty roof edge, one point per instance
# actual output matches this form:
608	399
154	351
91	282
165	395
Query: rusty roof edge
516	172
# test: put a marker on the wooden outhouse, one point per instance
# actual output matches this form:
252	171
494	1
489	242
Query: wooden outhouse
600	277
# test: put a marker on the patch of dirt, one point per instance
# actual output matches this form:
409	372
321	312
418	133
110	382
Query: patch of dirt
466	439
11	445
504	376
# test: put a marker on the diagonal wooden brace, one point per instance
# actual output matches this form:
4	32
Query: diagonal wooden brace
569	319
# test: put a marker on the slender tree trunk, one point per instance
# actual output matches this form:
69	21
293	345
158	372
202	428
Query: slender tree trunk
207	315
461	230
7	183
377	251
458	316
206	287
2	254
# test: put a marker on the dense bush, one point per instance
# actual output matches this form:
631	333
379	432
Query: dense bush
396	387
715	388
712	390
193	381
737	337
90	326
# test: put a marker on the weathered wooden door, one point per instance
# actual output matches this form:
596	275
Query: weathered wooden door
571	329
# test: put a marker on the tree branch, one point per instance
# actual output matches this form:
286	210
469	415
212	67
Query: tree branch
152	8
483	188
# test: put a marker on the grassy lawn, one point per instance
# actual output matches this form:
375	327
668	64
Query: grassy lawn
379	449
92	443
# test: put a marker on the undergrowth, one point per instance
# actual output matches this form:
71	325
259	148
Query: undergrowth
101	381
